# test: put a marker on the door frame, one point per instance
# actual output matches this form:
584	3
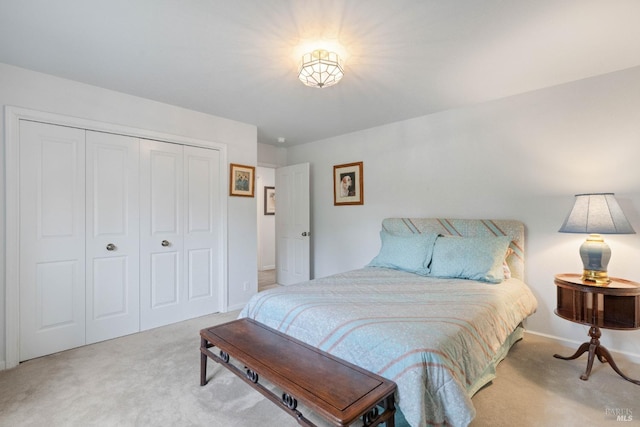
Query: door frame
12	118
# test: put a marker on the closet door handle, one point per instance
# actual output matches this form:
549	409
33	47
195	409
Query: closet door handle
165	243
111	247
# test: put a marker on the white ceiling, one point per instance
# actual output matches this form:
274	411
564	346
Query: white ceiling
238	58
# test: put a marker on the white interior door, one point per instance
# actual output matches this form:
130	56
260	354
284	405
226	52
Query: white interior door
161	233
292	224
71	194
203	231
112	237
180	233
52	238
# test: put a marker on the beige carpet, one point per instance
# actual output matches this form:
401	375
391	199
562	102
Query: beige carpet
533	388
152	379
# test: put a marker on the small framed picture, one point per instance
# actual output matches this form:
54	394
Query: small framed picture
348	185
269	200
241	181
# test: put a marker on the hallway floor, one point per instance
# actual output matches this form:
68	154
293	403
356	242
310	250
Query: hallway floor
266	279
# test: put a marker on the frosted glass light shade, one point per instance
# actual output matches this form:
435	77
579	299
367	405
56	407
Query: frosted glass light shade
320	69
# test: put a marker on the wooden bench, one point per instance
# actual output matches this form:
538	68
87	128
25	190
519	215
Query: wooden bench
338	391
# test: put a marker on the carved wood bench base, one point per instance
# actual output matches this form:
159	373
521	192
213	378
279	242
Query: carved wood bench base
228	338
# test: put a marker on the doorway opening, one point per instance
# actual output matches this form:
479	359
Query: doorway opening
265	193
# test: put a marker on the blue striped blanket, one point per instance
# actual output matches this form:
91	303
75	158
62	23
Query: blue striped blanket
438	339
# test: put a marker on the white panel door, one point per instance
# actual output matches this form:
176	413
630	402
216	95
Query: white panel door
112	237
203	233
180	233
292	224
52	243
161	233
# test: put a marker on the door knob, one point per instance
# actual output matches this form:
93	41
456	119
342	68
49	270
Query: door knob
165	243
306	233
111	247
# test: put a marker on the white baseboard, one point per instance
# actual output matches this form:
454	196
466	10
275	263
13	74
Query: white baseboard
235	307
630	357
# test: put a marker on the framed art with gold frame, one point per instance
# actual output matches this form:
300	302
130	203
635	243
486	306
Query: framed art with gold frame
241	181
348	184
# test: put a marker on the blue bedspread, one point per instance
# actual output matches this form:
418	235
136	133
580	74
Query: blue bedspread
438	339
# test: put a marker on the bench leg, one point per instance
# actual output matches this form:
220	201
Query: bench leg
390	405
203	362
372	418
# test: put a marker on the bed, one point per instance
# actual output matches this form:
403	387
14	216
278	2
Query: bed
435	311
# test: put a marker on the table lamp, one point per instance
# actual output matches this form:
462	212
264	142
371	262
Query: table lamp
595	214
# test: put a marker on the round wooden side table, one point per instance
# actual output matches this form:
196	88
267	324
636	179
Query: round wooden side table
615	305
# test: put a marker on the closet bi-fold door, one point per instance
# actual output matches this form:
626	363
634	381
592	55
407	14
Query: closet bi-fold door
52	238
112	236
203	231
179	232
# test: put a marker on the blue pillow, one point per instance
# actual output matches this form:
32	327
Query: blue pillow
475	258
411	253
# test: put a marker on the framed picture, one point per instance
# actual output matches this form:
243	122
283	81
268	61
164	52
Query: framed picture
348	188
269	200
241	181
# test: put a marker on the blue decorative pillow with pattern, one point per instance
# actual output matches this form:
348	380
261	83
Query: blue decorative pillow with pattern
475	258
411	253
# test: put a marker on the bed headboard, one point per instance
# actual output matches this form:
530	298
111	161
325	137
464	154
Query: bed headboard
467	228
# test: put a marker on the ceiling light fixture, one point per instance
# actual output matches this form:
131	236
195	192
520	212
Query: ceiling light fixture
320	68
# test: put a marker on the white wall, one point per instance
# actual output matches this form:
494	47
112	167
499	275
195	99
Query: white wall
522	157
271	156
265	177
36	91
